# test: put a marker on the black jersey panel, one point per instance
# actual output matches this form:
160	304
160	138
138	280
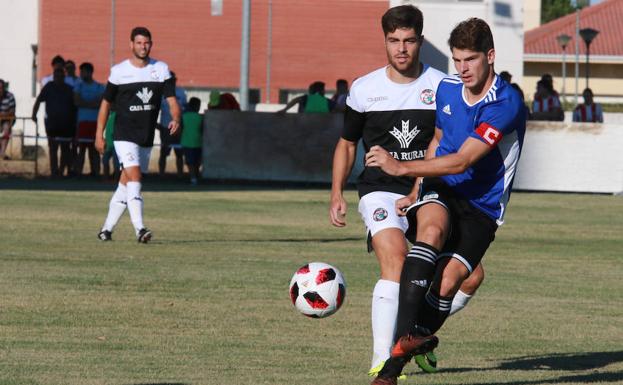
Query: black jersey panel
137	106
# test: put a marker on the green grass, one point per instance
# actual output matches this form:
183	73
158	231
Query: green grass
207	301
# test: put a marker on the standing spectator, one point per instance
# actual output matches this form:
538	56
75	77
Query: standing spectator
57	62
546	105
167	141
589	111
87	97
70	73
60	120
339	98
7	117
192	138
109	150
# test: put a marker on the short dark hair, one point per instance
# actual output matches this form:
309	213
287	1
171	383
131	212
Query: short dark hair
473	34
58	59
403	16
194	104
316	87
140	31
86	66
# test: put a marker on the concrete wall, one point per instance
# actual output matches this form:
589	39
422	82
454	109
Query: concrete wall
260	146
572	157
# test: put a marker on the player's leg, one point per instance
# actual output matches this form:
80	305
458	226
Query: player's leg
137	165
468	289
472	234
119	199
390	248
387	239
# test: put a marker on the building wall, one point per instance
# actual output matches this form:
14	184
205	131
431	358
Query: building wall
19	23
504	17
531	14
311	39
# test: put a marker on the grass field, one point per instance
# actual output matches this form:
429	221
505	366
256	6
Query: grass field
207	301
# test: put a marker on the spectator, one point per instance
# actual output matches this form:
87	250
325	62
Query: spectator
314	101
506	76
57	62
70	73
168	141
109	150
59	124
225	101
87	98
192	131
588	111
546	105
7	117
339	98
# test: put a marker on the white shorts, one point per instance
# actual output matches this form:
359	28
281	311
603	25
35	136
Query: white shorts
378	211
132	155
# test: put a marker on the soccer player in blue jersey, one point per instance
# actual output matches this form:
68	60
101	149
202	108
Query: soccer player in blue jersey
467	177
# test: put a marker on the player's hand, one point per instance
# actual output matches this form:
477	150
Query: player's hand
337	211
379	157
174	126
403	204
100	144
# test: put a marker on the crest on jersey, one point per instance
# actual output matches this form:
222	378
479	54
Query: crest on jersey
145	95
154	74
427	96
405	136
379	214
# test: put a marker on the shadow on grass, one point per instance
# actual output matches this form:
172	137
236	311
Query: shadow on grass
283	240
558	362
152	182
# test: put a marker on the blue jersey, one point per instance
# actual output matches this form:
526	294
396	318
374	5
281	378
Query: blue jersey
499	120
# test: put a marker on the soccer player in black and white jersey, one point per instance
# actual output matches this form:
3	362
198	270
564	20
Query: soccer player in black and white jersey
393	107
136	87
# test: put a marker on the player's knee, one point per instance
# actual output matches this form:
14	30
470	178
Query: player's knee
473	282
433	235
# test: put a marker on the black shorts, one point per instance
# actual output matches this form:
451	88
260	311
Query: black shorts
471	230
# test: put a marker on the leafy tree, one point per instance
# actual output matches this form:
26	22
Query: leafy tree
553	9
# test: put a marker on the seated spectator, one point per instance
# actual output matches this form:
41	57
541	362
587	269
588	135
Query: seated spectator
224	101
7	117
507	77
192	138
339	98
314	101
546	105
588	111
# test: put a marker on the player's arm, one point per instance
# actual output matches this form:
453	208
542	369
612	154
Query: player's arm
343	160
403	203
102	118
35	107
471	151
176	115
291	103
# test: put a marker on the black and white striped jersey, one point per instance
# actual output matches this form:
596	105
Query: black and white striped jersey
136	94
398	117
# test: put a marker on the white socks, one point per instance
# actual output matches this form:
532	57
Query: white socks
116	207
135	205
384	313
459	302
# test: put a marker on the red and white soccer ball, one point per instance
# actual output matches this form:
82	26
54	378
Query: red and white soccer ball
317	289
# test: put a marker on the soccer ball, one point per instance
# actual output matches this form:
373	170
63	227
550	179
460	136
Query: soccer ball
317	290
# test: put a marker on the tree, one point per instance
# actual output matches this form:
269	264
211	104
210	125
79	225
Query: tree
553	9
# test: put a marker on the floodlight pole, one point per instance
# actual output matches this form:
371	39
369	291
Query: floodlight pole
244	55
588	34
